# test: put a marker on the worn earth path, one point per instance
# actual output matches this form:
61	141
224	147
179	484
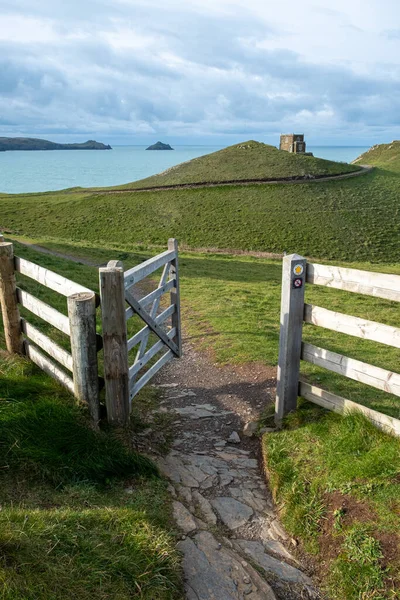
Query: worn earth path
232	543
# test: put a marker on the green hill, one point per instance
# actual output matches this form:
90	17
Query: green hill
385	155
349	219
247	161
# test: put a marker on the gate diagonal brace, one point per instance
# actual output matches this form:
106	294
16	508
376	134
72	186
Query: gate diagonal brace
150	322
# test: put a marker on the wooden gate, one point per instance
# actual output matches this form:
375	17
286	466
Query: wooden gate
118	289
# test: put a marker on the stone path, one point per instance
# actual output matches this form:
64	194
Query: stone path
232	543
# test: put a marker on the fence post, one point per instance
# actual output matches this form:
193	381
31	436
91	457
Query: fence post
116	370
292	312
82	318
175	296
8	298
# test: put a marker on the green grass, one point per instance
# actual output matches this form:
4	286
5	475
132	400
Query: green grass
353	220
247	160
337	482
68	528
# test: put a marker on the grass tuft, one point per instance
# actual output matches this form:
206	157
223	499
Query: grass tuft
50	437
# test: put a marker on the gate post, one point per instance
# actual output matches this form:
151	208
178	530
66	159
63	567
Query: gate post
292	313
8	298
175	296
116	370
82	318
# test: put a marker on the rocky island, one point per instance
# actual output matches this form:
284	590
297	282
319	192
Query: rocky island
39	144
159	146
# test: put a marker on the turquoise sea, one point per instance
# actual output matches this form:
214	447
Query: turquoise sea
40	171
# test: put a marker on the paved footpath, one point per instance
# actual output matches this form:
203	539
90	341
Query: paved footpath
232	543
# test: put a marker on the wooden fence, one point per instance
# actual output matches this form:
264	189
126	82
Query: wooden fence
80	326
294	311
78	370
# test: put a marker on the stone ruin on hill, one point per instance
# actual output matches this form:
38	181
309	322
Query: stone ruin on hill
293	142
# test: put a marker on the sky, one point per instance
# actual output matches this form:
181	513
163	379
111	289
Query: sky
200	71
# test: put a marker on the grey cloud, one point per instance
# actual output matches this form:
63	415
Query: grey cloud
200	74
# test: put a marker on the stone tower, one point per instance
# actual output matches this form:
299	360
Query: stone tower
293	142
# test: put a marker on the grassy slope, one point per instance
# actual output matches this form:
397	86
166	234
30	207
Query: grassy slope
355	219
382	155
248	160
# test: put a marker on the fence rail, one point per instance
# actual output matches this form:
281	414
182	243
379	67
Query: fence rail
362	328
380	285
43	311
357	370
342	405
48	278
46	344
294	311
48	366
148	267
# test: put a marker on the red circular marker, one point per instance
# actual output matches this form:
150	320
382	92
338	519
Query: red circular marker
297	283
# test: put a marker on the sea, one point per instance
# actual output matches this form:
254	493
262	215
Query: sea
41	171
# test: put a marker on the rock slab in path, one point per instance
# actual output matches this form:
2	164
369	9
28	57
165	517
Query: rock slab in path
205	508
233	513
183	517
213	572
285	572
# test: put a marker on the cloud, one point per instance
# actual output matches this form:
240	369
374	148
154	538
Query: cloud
392	34
131	70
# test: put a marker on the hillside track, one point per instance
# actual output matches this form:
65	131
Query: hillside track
364	169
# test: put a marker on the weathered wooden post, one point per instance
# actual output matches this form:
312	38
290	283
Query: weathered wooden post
292	311
82	319
116	370
175	296
8	299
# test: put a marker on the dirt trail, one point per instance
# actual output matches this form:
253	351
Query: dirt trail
222	502
364	169
76	259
